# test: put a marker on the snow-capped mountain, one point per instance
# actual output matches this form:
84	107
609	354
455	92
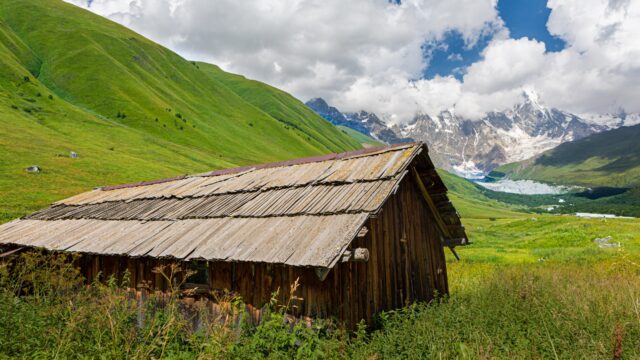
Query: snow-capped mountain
474	147
362	121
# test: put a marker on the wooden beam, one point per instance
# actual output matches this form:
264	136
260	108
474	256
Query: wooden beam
453	251
11	252
358	255
322	272
432	206
363	232
346	256
361	254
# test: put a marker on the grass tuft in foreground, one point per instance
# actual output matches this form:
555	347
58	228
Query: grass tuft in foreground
520	311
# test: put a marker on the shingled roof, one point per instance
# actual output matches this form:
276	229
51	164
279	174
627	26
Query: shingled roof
302	212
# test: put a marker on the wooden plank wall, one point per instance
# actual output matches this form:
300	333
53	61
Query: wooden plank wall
406	265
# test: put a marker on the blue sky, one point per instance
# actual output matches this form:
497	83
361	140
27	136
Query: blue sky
523	18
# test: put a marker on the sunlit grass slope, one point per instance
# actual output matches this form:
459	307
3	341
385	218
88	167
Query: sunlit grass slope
528	286
472	203
502	233
611	158
360	137
539	238
133	110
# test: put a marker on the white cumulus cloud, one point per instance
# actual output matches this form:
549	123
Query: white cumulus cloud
368	54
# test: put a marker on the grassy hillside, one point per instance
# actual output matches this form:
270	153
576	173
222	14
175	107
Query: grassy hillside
133	110
610	158
471	202
363	139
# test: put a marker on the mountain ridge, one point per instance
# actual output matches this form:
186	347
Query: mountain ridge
472	148
362	121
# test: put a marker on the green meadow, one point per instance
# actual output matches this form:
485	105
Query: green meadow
529	286
365	140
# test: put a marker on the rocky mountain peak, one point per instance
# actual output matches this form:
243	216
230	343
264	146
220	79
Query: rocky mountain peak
363	121
475	147
531	108
318	103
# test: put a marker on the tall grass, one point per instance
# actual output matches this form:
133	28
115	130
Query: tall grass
46	311
545	310
521	311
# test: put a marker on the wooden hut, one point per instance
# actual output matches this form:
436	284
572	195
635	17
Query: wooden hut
364	231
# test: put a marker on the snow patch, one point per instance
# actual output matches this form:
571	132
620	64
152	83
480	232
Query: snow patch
523	187
632	119
608	120
601	216
468	170
522	146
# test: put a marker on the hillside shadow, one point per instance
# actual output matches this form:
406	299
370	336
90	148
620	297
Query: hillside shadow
601	192
622	164
619	146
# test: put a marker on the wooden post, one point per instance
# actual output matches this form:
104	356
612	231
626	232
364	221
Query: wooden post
432	206
322	273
